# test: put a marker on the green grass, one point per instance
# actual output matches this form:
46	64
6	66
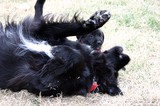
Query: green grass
153	23
135	25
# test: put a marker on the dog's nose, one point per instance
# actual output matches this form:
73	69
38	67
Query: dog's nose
98	42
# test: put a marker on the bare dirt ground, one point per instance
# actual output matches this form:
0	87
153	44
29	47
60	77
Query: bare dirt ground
135	25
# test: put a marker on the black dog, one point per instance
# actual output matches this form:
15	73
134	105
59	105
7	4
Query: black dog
36	56
113	59
25	64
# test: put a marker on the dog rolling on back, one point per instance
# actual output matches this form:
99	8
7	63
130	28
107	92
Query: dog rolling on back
31	59
35	55
111	60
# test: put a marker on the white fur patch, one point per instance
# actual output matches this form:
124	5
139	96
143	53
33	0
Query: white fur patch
34	45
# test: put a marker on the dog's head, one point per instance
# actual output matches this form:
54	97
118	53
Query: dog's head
95	39
113	59
107	65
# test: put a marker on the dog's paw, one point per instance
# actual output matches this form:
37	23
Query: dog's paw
98	19
113	91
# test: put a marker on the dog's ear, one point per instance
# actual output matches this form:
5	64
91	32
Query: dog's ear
114	50
119	49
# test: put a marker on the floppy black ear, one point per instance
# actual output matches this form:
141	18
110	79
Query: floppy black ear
115	50
119	49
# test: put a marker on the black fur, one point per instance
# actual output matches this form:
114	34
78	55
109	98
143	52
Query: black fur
106	65
95	39
107	75
70	68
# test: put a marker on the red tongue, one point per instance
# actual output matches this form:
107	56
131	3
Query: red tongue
98	49
93	87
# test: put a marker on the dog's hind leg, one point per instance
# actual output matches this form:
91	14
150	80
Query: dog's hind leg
38	9
56	30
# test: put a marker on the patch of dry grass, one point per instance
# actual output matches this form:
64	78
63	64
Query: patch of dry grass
135	25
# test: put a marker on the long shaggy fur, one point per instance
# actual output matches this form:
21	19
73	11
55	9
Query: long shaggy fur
25	64
36	56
